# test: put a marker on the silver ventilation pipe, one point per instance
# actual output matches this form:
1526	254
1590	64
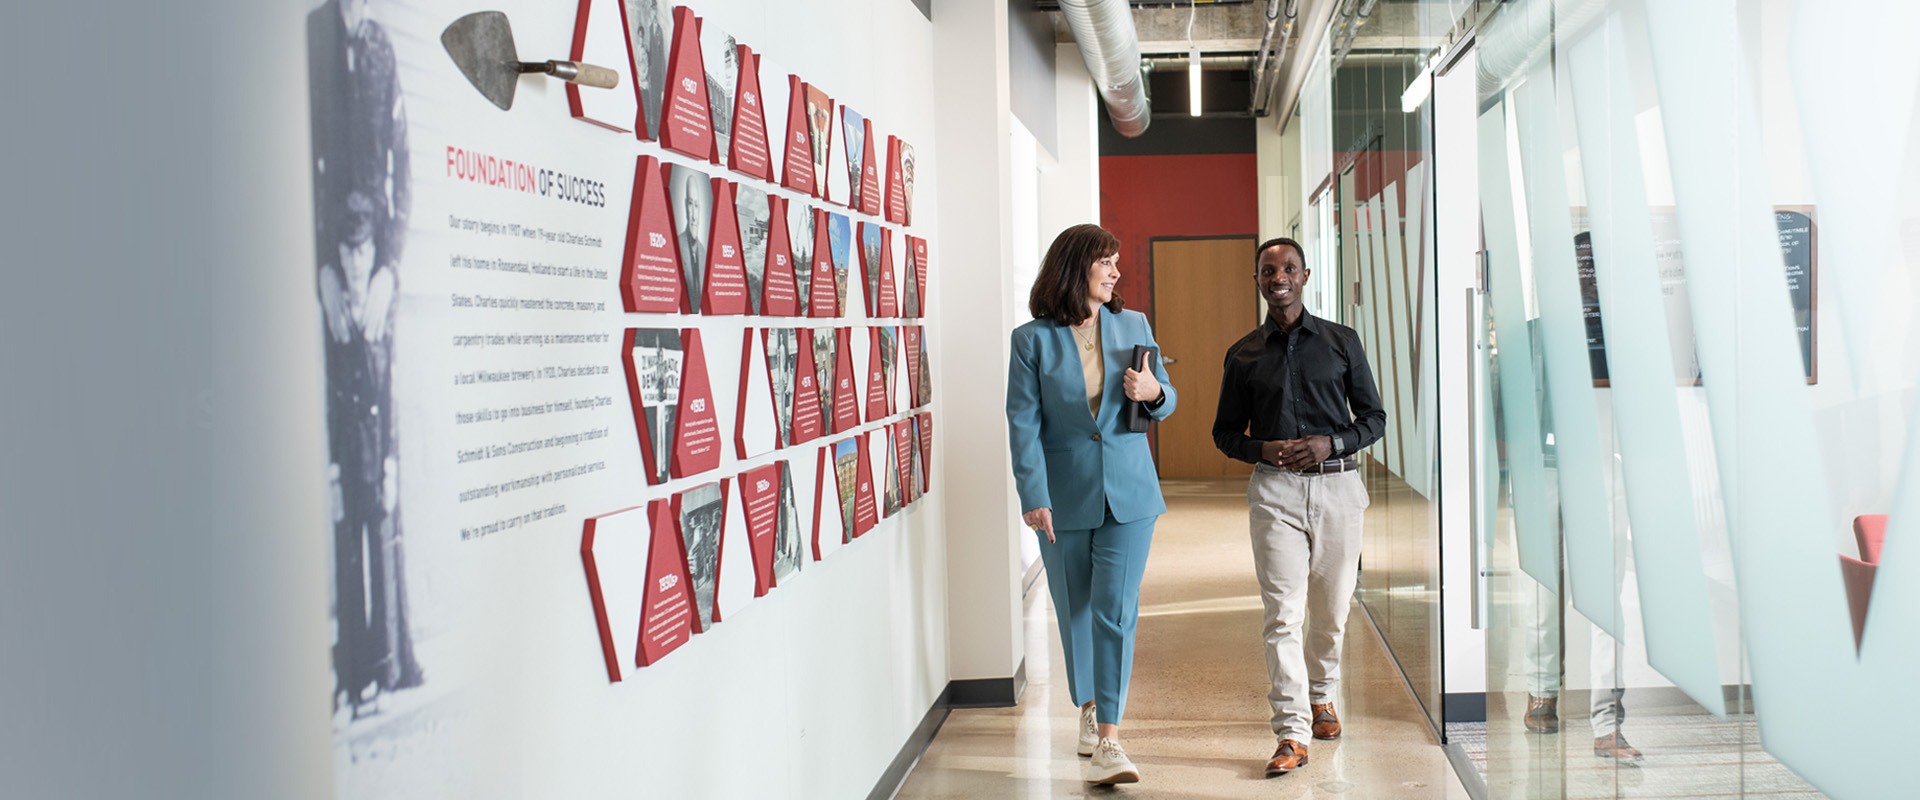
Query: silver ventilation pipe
1111	47
1359	18
1270	52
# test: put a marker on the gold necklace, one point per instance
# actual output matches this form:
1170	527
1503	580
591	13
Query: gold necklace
1093	333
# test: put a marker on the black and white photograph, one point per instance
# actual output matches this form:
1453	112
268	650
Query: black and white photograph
917	469
790	543
721	58
783	357
906	180
840	240
800	238
854	128
650	36
824	359
690	194
924	392
701	513
891	495
657	356
909	289
889	338
846	475
870	251
752	211
819	132
362	193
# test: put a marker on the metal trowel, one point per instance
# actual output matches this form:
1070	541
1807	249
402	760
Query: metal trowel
481	45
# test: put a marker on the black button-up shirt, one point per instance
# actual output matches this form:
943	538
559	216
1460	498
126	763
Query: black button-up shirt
1280	385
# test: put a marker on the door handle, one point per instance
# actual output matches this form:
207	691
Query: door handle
1168	360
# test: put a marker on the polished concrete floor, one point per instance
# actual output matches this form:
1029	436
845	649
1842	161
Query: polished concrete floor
1196	720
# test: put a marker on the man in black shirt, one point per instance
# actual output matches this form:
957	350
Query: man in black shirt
1298	401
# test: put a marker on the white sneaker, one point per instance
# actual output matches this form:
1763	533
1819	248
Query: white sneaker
1110	765
1089	735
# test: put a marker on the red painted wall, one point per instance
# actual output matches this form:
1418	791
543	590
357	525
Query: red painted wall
1142	197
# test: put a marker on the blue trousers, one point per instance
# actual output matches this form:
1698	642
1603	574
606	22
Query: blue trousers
1094	576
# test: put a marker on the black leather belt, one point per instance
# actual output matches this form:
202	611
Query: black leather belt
1331	465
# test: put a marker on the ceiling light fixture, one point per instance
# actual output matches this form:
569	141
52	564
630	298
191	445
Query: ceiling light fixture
1193	64
1418	90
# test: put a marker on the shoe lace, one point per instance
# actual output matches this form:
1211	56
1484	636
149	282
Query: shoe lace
1110	750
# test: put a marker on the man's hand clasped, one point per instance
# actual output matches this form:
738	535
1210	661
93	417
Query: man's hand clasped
1297	454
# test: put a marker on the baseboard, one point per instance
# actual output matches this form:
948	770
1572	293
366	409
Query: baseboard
915	747
1464	706
988	692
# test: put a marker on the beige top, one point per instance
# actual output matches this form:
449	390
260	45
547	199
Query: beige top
1093	364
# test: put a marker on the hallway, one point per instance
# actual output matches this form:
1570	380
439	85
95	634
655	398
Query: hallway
1196	713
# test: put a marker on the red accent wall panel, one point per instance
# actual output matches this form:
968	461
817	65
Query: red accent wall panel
1142	197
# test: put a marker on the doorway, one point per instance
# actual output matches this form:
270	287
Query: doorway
1203	302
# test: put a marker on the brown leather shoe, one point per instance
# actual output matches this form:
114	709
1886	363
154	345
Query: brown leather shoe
1543	714
1291	755
1326	724
1614	746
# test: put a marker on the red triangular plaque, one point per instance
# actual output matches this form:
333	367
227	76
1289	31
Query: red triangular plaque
807	422
917	272
760	498
896	197
820	138
846	382
780	292
726	289
797	165
824	299
696	446
687	124
613	548
910	341
866	513
832	524
756	429
600	37
889	297
750	155
903	458
666	616
650	271
869	176
868	242
926	453
877	377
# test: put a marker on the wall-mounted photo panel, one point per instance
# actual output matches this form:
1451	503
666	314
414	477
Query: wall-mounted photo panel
696	445
809	416
906	183
820	140
824	293
866	499
896	198
719	56
886	441
650	270
649	26
787	117
870	267
750	155
901	397
910	344
903	437
690	199
726	290
653	358
857	344
791	541
915	455
869	175
916	272
829	519
848	464
600	37
801	236
779	292
700	514
925	422
846	383
752	211
826	358
739	573
878	366
614	549
840	236
781	351
889	295
923	388
758	512
686	122
756	414
667	602
853	129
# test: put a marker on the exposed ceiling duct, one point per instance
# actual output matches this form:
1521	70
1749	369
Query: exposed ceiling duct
1270	53
1111	47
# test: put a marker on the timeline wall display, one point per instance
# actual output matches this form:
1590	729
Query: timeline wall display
490	282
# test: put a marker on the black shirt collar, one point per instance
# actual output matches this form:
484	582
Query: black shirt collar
1308	322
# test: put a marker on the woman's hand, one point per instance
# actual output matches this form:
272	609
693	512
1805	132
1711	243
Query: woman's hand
1140	384
1040	519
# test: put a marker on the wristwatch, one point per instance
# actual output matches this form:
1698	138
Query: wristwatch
1338	446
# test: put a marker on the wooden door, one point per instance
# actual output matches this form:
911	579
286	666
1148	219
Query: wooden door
1203	302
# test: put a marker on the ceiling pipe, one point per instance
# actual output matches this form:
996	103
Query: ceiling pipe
1311	32
1352	33
1104	30
1271	53
1213	62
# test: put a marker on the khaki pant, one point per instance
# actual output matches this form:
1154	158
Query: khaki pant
1306	550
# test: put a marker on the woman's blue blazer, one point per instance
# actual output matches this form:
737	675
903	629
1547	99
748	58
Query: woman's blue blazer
1065	458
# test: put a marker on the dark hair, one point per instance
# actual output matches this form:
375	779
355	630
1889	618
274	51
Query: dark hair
1060	292
1276	243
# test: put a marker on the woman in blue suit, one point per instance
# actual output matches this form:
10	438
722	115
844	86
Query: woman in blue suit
1087	484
